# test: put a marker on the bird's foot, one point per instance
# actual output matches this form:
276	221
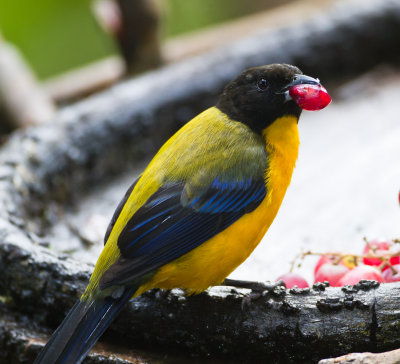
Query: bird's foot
258	289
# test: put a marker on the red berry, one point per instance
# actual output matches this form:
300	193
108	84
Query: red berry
358	273
331	273
390	276
380	248
293	279
310	97
393	261
376	248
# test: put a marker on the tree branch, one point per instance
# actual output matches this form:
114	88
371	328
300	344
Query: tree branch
224	322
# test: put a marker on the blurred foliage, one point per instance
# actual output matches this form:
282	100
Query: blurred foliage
188	15
56	36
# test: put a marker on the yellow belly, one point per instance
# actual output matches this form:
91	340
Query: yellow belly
210	263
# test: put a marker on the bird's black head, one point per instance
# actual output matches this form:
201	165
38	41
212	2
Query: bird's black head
260	95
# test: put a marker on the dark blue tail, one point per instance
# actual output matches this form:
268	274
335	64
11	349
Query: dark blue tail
80	330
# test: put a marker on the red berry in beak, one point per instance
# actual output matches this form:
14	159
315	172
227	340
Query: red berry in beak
310	97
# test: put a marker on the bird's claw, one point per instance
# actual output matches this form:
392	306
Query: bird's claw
256	287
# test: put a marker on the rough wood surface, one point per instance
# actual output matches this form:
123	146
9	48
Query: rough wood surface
281	325
390	357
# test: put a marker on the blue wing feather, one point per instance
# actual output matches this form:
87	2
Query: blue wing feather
164	228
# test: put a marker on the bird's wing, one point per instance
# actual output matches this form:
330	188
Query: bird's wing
118	210
173	222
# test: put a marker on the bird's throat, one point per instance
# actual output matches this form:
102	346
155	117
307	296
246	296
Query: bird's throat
282	137
282	145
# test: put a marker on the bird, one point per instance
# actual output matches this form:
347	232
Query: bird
202	204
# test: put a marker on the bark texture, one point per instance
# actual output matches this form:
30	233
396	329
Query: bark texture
280	325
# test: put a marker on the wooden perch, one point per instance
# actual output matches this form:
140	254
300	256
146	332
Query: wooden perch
390	357
296	325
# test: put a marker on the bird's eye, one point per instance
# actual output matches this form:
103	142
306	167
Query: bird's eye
262	84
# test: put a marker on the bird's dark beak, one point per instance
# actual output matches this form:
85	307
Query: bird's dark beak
307	93
301	80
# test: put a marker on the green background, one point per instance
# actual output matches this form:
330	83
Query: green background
58	35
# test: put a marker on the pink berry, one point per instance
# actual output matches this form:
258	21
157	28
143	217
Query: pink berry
324	259
355	275
331	273
390	276
293	279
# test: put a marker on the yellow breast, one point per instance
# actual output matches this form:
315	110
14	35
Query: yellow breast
210	263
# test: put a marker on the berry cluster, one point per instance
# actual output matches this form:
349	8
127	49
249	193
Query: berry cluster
380	261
